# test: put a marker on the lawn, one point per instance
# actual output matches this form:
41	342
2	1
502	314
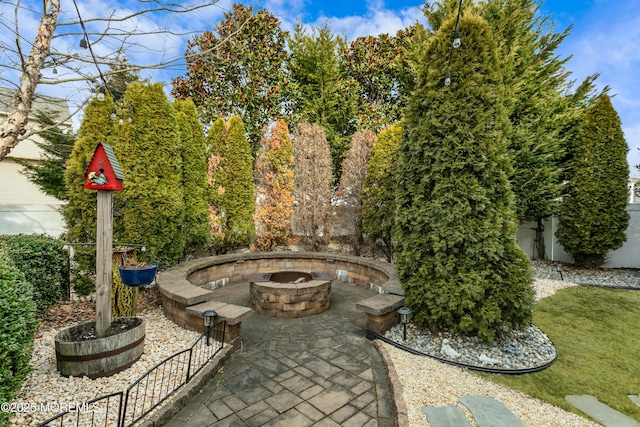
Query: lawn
597	334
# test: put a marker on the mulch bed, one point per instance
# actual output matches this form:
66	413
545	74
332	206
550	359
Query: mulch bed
69	313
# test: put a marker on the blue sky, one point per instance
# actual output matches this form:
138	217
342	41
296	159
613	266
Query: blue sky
605	39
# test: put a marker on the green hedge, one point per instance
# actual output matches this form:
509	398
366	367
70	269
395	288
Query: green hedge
18	325
44	263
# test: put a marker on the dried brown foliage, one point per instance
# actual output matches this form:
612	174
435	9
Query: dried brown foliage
349	206
312	184
274	185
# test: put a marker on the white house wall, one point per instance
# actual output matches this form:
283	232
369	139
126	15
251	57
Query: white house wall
24	209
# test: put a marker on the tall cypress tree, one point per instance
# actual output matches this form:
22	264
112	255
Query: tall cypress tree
150	209
593	216
230	175
378	193
456	250
80	211
194	175
274	187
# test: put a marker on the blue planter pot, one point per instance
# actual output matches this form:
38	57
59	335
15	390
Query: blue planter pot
138	276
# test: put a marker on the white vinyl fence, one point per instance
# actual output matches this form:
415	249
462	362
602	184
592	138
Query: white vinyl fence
628	256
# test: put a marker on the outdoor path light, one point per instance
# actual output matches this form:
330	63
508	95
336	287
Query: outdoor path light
208	322
404	313
559	270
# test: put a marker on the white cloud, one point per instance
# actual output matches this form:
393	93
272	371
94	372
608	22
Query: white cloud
377	20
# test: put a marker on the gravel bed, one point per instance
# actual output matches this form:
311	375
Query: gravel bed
427	382
45	385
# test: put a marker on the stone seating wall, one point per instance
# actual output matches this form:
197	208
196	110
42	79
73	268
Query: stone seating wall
188	289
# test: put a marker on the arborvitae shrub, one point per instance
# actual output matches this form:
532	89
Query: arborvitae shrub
194	175
150	209
348	194
455	236
231	190
312	184
274	186
593	216
379	190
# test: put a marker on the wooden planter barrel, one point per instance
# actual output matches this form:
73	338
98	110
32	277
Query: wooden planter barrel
99	357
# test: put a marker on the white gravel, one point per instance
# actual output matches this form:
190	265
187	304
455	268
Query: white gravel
427	382
45	386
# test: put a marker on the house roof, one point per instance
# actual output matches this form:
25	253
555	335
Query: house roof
56	108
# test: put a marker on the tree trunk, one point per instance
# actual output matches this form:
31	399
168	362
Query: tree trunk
542	251
15	124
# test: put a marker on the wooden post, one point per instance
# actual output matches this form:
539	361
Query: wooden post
104	274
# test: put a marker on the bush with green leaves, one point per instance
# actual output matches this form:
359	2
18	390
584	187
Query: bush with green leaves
18	325
379	190
455	234
593	216
44	263
231	193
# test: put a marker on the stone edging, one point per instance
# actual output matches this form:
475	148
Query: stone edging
402	417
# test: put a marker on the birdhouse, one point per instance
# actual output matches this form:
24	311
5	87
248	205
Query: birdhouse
104	171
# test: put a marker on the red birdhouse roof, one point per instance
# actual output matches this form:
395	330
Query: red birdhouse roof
104	160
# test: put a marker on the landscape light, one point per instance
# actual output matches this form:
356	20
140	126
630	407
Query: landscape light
208	316
404	313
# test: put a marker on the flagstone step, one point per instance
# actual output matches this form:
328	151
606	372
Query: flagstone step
635	398
486	411
489	412
445	416
600	412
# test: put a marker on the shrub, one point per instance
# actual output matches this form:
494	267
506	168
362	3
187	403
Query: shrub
455	234
312	184
44	263
274	187
379	191
593	216
231	190
18	314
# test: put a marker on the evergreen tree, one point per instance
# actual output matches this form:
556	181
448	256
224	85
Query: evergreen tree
150	209
540	108
48	173
231	192
240	71
312	184
274	187
194	175
384	75
320	90
593	216
80	210
536	84
455	236
379	190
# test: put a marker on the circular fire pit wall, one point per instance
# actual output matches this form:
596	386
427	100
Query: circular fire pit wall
290	294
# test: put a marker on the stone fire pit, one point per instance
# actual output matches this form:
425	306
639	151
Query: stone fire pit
290	294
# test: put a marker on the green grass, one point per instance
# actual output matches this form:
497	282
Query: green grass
597	334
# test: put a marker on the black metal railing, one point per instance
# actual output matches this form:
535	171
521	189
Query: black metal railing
102	411
148	391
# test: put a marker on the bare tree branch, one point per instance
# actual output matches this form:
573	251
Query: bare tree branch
119	41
